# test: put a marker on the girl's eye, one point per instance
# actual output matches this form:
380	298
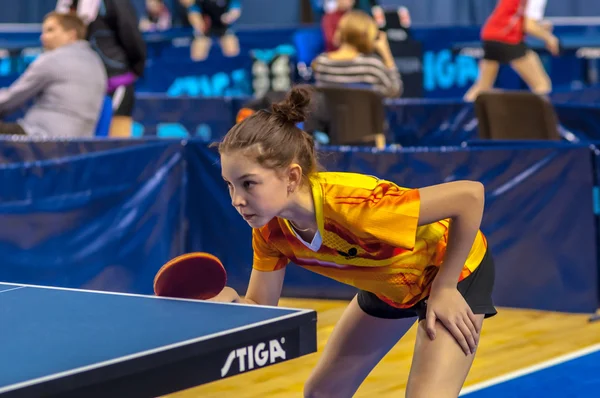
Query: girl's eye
248	184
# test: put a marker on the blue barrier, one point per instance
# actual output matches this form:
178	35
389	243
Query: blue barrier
582	119
206	118
412	122
107	218
430	122
596	195
18	151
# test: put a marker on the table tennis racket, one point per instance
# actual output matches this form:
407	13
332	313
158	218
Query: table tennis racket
199	276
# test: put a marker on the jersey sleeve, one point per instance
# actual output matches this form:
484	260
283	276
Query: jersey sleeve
535	9
389	214
266	257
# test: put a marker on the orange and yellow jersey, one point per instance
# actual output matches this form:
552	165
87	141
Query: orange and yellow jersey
370	239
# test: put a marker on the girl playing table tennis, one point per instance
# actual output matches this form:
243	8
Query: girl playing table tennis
503	36
412	253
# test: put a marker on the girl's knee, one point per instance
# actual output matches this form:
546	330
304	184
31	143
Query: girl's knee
230	46
423	386
428	392
544	86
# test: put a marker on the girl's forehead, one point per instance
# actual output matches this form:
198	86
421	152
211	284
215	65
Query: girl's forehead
241	165
238	159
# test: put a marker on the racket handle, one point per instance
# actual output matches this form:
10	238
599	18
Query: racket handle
227	295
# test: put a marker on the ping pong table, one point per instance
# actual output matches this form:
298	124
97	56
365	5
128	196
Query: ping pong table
79	343
585	47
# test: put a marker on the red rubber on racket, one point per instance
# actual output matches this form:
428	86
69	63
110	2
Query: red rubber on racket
199	276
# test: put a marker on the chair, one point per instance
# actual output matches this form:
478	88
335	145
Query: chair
106	113
356	115
516	115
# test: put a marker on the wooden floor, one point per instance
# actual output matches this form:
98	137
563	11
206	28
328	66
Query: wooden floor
511	340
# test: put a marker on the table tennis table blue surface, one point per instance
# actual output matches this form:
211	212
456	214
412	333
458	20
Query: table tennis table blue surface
18	44
572	41
50	331
578	58
567	42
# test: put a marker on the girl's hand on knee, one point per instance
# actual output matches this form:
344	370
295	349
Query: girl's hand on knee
449	307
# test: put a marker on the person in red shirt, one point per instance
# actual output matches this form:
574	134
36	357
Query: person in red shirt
336	9
503	43
330	22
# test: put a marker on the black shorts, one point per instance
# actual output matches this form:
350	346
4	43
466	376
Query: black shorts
475	288
123	100
215	27
503	52
219	31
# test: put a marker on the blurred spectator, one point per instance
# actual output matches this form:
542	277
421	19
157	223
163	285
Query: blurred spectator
335	9
330	22
364	58
67	83
213	19
113	32
157	17
368	6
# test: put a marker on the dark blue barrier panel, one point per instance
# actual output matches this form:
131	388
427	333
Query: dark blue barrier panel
412	122
582	119
205	118
438	122
26	150
596	196
569	95
543	241
430	122
106	220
